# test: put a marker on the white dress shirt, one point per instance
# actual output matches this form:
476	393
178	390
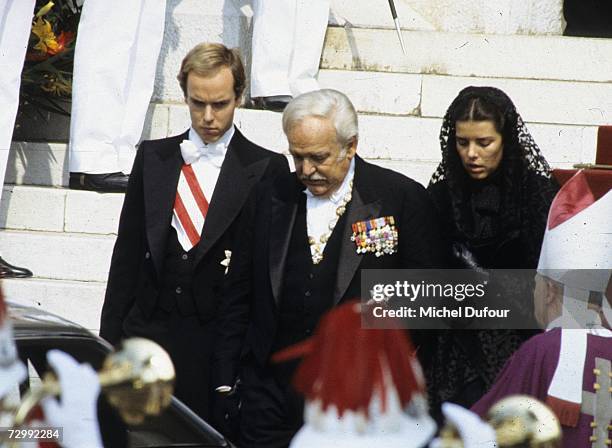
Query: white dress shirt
206	169
321	212
208	166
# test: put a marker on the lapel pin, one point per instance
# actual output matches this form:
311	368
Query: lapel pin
226	261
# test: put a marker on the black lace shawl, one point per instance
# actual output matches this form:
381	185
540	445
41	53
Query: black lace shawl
463	364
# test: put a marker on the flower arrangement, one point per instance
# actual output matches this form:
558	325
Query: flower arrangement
46	80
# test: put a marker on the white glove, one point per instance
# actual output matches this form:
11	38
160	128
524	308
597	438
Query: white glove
474	432
77	413
12	370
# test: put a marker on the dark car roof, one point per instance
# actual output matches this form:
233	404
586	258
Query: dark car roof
34	325
34	322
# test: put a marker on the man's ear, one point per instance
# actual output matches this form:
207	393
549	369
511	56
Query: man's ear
351	148
554	291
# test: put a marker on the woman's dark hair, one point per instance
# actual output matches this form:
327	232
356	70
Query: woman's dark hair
485	104
479	109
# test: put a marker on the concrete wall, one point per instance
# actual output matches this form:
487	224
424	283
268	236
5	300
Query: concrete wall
467	16
189	22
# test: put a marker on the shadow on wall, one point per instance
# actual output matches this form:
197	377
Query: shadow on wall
170	43
238	26
32	163
238	32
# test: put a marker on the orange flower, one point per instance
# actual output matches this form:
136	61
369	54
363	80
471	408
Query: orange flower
47	42
64	38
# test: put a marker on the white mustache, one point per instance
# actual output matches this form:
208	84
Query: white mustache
314	177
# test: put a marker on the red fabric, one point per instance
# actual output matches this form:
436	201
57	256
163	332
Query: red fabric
299	350
567	412
562	176
582	190
3	309
179	206
345	365
604	145
195	188
186	222
603	177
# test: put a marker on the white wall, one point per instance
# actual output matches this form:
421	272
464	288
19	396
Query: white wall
189	22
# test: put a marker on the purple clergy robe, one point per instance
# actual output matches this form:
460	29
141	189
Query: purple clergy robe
530	371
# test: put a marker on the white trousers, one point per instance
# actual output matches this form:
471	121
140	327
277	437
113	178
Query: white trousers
15	24
287	42
118	43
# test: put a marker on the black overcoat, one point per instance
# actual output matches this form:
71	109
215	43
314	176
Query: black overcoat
247	321
133	289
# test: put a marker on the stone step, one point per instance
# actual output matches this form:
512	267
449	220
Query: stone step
553	102
558	102
80	302
83	213
59	256
37	163
530	17
431	49
460	54
64	210
230	20
417	139
188	23
538	101
79	214
407	138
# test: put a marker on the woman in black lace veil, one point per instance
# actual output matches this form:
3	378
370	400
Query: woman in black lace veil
493	197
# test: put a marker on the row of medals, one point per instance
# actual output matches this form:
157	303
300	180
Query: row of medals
378	236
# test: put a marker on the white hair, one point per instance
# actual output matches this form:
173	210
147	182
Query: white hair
324	103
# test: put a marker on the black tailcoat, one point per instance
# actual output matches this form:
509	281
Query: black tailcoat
248	320
131	303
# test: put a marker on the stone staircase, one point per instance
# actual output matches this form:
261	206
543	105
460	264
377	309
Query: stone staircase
562	87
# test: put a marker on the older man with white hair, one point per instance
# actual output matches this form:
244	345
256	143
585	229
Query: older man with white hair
305	238
569	365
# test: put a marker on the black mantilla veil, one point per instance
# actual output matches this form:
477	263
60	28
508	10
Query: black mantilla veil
497	222
521	160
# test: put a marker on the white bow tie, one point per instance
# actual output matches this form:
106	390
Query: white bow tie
191	152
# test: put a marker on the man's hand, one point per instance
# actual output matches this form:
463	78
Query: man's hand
226	412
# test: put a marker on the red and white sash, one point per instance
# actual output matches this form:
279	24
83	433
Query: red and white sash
190	208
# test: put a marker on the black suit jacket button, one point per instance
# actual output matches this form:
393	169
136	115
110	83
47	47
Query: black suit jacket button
147	255
307	293
311	276
308	331
185	256
178	290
